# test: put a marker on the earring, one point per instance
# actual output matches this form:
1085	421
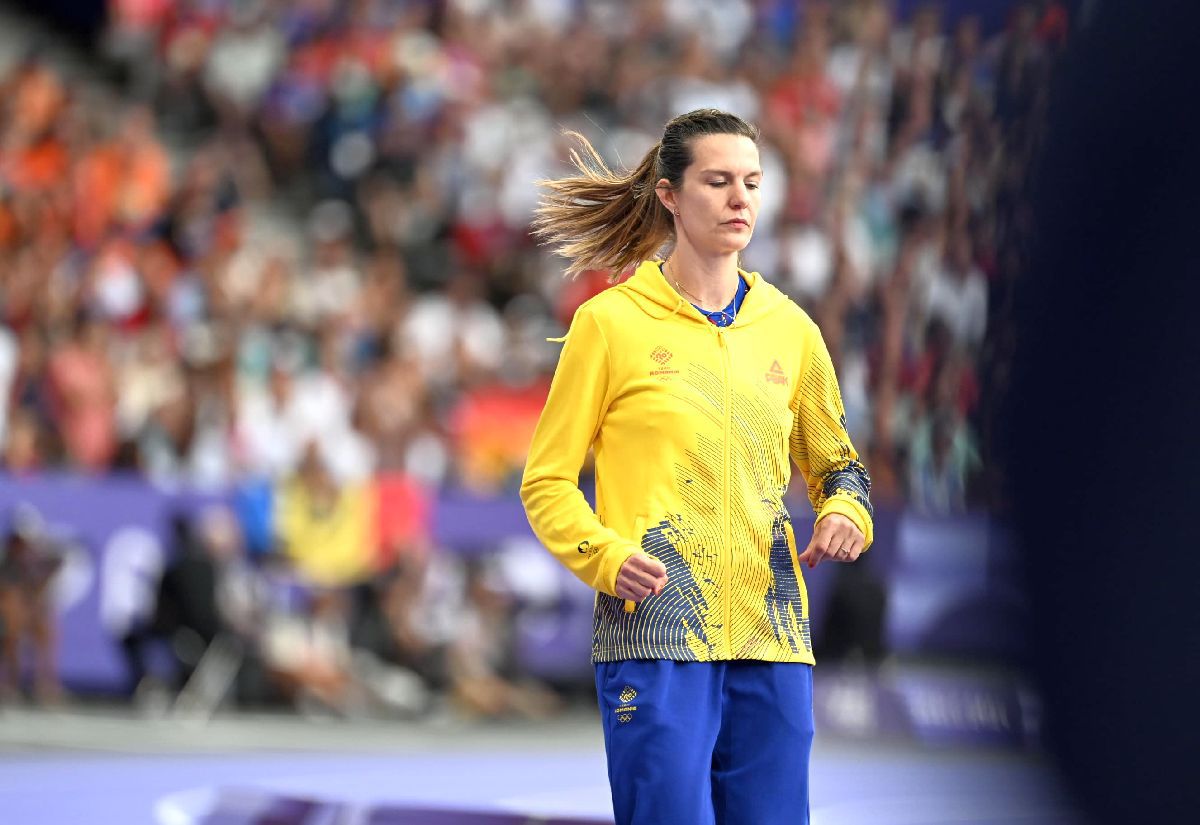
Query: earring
677	213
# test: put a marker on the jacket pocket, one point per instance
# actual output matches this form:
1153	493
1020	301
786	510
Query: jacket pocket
639	529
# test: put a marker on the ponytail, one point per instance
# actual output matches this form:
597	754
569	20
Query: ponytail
600	219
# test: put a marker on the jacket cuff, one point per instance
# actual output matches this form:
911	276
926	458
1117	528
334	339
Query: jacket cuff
851	509
610	565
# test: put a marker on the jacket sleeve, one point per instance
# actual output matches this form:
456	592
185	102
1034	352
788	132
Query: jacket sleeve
558	512
820	446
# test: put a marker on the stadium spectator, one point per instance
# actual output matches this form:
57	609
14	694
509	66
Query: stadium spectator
308	654
486	680
324	526
390	627
207	592
83	396
28	562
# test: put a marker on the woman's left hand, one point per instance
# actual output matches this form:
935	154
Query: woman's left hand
835	538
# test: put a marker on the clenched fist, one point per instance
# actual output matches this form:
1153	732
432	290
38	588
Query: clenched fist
835	538
640	576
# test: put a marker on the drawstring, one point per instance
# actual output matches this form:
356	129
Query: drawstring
678	304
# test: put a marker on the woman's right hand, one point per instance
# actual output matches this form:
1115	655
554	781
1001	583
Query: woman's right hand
640	576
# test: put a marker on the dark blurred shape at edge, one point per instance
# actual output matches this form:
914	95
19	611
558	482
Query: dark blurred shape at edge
81	19
1102	449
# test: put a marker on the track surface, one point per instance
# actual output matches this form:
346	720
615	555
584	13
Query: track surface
101	767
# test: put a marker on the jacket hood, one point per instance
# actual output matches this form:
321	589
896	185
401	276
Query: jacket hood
649	290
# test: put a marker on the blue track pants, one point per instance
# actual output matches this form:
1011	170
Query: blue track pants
707	743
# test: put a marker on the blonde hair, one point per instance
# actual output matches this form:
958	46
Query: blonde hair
600	219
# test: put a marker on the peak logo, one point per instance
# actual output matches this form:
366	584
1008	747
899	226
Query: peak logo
776	375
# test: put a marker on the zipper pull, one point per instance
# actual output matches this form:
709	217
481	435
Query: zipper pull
720	337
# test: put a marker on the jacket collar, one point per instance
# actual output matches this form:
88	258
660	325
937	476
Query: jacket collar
650	291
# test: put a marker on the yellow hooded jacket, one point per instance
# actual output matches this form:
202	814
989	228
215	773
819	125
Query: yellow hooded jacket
693	428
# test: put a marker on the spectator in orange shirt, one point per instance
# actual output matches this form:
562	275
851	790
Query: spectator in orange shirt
146	182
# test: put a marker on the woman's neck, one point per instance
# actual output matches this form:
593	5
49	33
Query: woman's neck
708	282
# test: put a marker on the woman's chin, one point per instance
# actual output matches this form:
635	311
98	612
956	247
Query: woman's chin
731	246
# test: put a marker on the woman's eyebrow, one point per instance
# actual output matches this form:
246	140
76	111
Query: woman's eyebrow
728	174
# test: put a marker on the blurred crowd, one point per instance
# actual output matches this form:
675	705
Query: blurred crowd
151	321
218	626
286	244
424	635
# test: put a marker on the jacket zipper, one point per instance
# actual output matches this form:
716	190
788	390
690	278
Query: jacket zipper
726	561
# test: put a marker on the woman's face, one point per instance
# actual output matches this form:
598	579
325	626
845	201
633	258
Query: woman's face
718	198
